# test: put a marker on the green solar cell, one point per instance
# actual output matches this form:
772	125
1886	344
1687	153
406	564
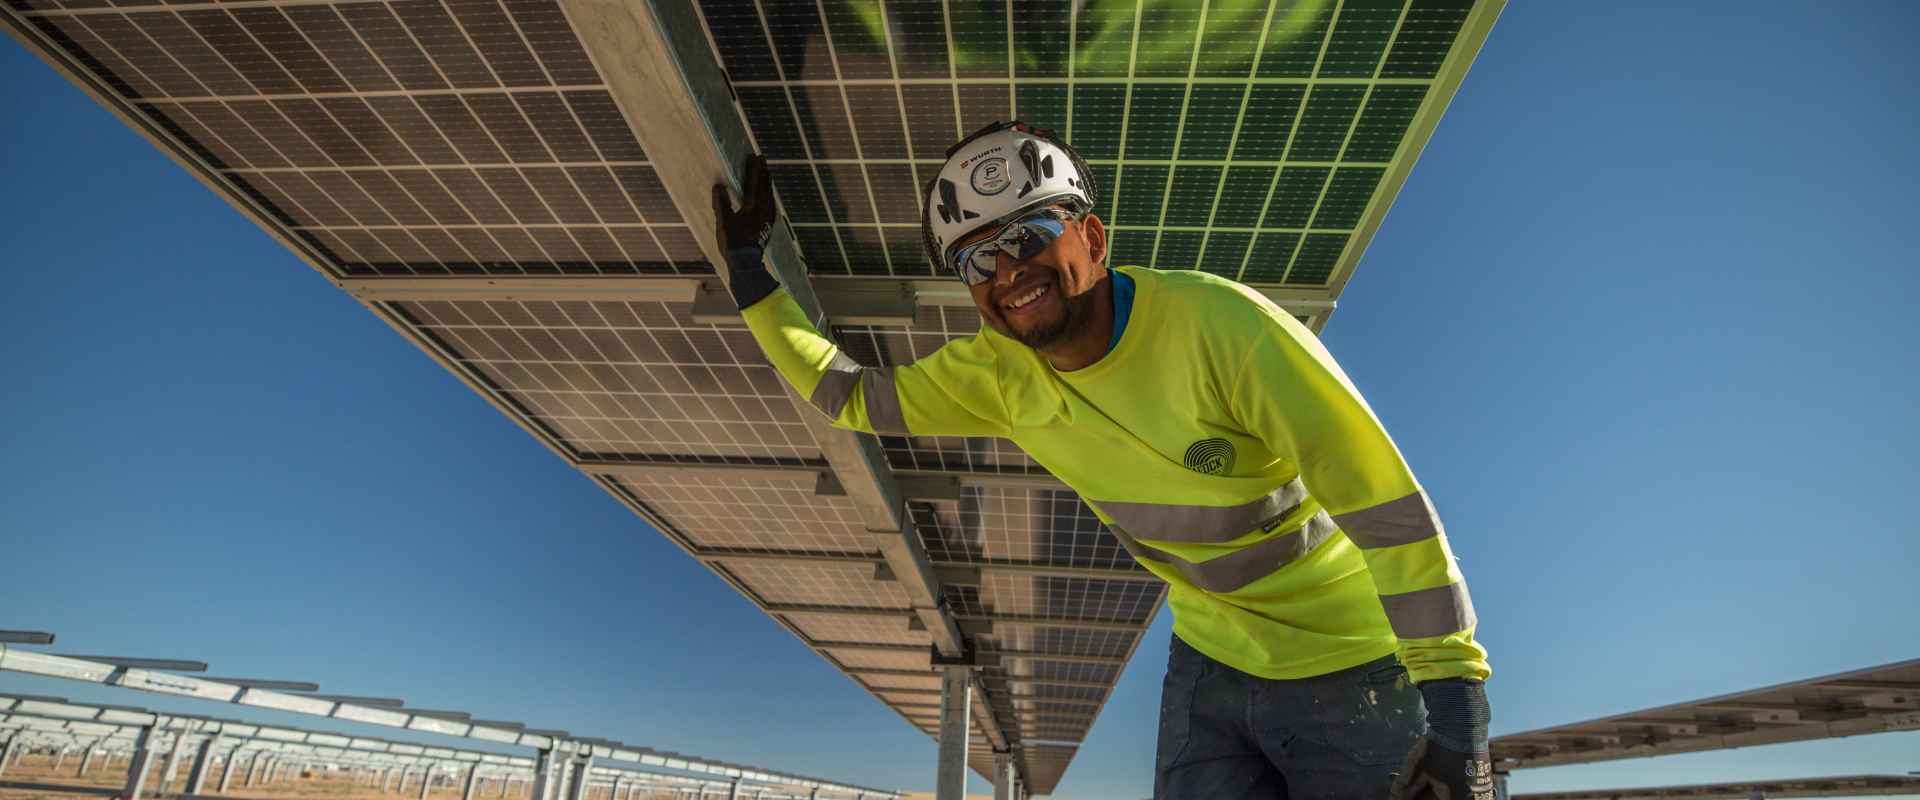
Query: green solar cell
866	251
1167	31
1324	124
1104	38
984	104
1230	38
1190	203
875	109
845	192
1347	197
1426	34
771	118
1142	187
1179	250
1040	31
1360	35
1295	196
1153	120
858	29
1272	253
1383	124
920	38
1211	112
1319	254
1294	37
908	252
799	192
821	249
1130	247
1243	196
795	24
1268	122
1098	112
1104	184
979	39
1224	253
896	197
1042	105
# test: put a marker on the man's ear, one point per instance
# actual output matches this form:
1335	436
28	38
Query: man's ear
1095	233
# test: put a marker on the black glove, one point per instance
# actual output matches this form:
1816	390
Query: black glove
743	233
1450	760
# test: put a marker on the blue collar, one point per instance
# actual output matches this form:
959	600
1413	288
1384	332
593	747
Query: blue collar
1122	305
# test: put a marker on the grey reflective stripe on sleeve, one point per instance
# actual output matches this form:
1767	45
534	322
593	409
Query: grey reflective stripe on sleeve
1395	522
835	386
1140	551
1429	612
1162	522
883	402
1240	568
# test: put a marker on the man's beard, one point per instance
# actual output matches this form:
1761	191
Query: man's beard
1076	315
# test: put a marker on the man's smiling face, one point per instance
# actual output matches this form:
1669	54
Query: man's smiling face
1046	301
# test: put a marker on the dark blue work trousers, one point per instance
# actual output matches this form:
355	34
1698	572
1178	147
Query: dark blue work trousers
1227	735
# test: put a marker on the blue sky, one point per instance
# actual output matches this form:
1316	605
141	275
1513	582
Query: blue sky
1643	321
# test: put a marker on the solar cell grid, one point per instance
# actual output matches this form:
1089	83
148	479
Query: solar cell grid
470	83
815	584
1019	526
751	513
1152	86
625	379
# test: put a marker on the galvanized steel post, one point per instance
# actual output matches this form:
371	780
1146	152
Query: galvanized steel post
956	702
6	755
226	769
87	760
426	780
172	769
202	761
543	775
473	782
141	764
1003	776
582	770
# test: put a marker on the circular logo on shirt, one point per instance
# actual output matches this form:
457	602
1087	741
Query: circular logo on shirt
1210	457
990	176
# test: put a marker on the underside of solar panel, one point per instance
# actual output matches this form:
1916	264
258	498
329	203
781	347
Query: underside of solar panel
485	176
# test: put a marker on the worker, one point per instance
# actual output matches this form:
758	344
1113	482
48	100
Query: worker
1323	637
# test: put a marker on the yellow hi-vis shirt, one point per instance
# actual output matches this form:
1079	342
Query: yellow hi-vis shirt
1222	445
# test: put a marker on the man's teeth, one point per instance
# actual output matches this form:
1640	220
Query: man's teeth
1031	296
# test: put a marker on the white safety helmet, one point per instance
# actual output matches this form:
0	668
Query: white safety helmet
992	177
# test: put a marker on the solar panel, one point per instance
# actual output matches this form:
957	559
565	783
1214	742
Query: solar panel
1245	139
1842	786
466	171
1873	700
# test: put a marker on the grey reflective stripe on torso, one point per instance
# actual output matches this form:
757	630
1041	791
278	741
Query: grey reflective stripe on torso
1240	568
1390	524
836	387
1165	522
1430	612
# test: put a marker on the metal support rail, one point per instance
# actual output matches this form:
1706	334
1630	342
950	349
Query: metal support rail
15	660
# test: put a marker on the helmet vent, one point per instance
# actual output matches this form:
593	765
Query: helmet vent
949	201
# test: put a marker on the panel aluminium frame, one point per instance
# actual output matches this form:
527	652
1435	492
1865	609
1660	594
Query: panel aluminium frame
1473	34
16	660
